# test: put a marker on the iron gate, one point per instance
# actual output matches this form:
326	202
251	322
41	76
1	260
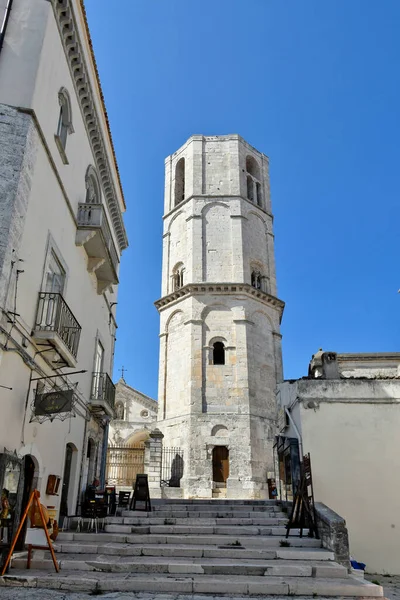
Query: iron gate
172	465
123	464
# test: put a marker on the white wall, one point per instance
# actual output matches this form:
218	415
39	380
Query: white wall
353	439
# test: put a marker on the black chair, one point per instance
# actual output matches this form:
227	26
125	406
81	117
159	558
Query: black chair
123	500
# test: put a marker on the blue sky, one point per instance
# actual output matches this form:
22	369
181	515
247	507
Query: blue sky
315	86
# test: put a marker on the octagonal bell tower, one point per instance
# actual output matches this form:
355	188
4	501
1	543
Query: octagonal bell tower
220	344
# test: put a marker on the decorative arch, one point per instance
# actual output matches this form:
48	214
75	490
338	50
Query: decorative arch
92	184
137	438
64	126
179	181
252	167
171	316
219	430
263	221
266	315
174	217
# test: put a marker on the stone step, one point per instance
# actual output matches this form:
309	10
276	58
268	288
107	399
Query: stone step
220	506
195	539
197	530
207	514
196	521
206	501
182	550
204	566
247	585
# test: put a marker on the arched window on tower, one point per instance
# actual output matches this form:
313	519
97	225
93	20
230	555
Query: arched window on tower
64	126
177	276
218	353
259	281
93	193
179	181
253	181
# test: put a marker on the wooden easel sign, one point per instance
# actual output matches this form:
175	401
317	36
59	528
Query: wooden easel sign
141	493
36	536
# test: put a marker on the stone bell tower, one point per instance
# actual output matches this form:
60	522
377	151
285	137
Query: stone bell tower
220	345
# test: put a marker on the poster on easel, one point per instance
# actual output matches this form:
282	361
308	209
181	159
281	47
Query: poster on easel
36	537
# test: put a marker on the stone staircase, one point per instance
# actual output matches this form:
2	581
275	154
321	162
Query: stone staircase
213	547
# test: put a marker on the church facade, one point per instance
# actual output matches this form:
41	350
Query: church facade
220	342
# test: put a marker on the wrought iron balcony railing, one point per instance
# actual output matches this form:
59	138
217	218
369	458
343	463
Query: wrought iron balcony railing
103	391
55	317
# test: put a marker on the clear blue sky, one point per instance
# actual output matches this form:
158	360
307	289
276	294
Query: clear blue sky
313	84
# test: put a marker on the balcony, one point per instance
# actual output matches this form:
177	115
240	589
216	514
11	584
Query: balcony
95	236
56	325
102	397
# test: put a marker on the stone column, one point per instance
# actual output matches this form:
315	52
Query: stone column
152	462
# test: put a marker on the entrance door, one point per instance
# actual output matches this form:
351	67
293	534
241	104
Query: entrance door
220	464
66	479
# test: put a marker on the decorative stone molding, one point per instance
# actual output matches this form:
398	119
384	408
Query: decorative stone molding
64	14
220	288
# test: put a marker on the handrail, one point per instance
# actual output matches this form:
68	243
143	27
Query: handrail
54	314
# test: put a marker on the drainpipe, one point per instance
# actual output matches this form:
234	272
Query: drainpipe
296	432
5	22
104	455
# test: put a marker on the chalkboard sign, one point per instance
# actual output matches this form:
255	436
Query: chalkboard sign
141	493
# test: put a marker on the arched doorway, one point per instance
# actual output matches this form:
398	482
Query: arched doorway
69	471
30	475
91	456
220	458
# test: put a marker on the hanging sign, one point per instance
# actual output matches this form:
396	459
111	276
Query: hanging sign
54	402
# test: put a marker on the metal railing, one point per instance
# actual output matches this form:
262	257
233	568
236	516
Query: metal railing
123	464
103	389
54	314
93	215
172	465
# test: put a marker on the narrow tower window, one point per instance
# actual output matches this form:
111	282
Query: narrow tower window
258	190
256	279
179	181
250	188
253	181
177	277
218	353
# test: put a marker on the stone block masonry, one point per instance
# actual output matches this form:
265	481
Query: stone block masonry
219	291
18	149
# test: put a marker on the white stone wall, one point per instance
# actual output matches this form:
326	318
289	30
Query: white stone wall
39	196
220	236
138	416
351	432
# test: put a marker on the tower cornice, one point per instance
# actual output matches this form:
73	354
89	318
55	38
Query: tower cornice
220	289
212	198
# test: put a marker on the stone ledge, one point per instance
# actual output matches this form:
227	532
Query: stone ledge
333	533
220	289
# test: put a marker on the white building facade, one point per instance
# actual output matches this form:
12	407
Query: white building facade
61	237
220	342
135	416
346	414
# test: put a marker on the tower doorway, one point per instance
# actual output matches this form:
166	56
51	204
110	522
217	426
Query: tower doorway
220	458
